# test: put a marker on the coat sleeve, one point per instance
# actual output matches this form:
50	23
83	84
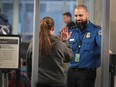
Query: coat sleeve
68	53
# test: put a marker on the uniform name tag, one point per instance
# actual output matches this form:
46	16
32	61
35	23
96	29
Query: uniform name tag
71	39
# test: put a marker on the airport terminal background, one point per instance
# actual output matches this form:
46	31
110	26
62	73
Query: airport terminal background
53	8
20	14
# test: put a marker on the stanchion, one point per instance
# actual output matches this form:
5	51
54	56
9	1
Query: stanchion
112	69
18	78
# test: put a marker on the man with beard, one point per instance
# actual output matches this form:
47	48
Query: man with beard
85	41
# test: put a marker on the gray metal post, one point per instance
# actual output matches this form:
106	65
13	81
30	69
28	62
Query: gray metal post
105	44
64	10
15	16
92	10
35	54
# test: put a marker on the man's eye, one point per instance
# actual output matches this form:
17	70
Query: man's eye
80	15
75	15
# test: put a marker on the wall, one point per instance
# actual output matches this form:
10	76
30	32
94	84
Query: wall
113	26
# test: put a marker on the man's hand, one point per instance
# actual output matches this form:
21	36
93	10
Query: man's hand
64	34
110	52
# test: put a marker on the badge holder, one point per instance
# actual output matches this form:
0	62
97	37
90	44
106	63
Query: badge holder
77	57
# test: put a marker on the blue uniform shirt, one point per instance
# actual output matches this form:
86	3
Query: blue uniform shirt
90	46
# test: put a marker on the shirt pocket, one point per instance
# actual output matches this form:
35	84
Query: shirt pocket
87	44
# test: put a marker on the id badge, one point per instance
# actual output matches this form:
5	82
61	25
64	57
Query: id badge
77	57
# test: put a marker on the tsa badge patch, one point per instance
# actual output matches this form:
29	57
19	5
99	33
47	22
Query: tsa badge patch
88	35
100	32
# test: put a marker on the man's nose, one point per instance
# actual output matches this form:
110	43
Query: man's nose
77	18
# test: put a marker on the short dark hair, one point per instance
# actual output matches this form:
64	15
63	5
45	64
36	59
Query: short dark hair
67	14
82	7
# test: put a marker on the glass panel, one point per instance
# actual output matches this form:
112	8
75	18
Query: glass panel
26	16
55	9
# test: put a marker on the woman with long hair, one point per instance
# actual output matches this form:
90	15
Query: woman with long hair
53	52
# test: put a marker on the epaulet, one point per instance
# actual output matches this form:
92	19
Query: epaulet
97	26
99	31
73	27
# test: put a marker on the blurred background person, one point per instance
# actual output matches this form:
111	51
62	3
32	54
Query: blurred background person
67	17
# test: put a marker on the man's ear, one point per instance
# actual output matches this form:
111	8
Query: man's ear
88	15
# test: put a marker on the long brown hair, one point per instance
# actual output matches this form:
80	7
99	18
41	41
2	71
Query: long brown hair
45	46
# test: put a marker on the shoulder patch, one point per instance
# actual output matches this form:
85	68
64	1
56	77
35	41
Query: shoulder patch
100	32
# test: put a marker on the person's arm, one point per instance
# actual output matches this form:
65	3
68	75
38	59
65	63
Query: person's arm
98	38
68	53
65	35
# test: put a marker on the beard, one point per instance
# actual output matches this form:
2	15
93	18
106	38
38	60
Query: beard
81	25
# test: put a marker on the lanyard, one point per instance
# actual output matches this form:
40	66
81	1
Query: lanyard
80	42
